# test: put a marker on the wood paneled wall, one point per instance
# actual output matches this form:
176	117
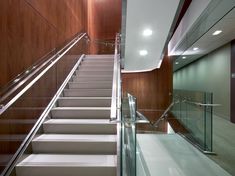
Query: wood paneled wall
104	21
31	28
232	89
152	89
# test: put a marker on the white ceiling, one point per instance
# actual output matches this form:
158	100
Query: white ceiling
157	15
209	42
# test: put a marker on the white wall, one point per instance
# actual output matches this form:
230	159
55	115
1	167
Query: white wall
211	73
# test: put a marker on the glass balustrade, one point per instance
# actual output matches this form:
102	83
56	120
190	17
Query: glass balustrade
129	136
194	111
190	115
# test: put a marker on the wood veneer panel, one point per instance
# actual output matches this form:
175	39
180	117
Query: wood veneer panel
152	89
31	28
67	16
23	38
104	21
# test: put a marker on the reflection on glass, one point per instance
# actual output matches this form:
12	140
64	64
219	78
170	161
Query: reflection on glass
129	135
194	112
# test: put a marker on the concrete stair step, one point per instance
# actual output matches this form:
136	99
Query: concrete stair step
81	112
97	63
84	102
95	68
87	92
93	72
79	126
74	143
98	60
90	85
99	56
93	78
67	165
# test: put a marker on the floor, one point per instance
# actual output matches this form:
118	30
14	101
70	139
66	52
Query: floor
171	155
224	144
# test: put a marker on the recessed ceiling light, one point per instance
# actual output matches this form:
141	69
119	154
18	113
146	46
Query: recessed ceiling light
184	57
143	52
147	32
217	32
195	48
176	63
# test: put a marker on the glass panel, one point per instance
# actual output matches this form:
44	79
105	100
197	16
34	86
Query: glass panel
17	121
196	117
129	136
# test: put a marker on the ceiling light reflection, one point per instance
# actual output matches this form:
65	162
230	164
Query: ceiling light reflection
143	52
217	32
147	32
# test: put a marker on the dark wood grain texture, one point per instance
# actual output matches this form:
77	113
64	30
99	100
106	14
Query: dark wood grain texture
152	89
31	28
104	21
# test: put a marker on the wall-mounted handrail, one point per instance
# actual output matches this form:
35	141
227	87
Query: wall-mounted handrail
155	124
115	103
52	61
7	171
141	118
25	73
201	104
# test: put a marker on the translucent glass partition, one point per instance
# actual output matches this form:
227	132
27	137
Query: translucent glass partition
129	136
194	111
18	120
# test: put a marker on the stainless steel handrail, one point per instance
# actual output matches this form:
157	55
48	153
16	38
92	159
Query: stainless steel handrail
142	118
52	63
202	104
116	82
25	73
7	171
29	72
155	124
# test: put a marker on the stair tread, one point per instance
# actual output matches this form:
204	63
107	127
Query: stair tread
86	98
66	160
84	76
81	108
89	82
77	89
99	55
78	121
75	138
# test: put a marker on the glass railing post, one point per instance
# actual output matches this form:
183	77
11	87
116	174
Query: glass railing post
194	112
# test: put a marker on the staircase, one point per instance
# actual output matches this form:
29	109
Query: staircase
78	138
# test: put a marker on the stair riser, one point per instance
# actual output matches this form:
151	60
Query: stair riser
95	68
100	56
105	64
90	78
101	59
85	73
94	85
80	114
65	171
87	93
84	103
74	147
104	61
80	128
